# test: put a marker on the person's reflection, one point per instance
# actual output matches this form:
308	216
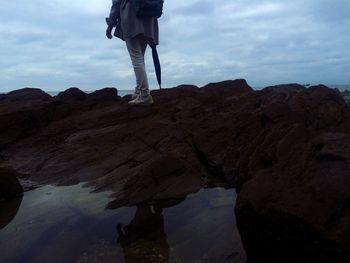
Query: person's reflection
8	210
144	239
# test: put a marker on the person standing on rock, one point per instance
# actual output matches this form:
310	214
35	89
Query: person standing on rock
137	33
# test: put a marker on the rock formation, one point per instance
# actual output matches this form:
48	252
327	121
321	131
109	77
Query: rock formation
9	185
294	180
286	148
8	211
346	96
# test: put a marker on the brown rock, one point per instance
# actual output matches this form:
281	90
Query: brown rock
71	94
227	88
106	94
26	94
286	148
165	177
19	121
293	180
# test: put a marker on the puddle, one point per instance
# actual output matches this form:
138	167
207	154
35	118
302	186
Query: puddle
70	224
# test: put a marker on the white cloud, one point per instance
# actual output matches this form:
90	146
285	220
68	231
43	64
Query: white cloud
57	44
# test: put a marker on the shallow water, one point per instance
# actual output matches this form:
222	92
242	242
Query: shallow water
70	224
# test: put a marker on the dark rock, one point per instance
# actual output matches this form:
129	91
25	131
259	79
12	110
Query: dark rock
71	94
20	121
286	148
180	92
293	180
346	95
8	210
21	114
26	94
228	87
106	94
163	178
9	184
28	111
28	185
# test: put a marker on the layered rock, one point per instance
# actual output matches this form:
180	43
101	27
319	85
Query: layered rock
286	148
28	111
25	95
294	179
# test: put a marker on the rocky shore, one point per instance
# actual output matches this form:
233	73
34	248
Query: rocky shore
285	148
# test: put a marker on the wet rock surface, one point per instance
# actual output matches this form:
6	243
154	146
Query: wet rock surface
286	148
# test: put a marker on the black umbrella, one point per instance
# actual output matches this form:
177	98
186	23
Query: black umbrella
157	65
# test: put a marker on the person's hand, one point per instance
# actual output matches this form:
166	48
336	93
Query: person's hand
109	32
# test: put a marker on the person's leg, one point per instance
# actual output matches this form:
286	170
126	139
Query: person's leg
144	44
137	47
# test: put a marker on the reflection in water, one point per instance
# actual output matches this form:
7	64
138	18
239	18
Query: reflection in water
69	224
8	210
144	238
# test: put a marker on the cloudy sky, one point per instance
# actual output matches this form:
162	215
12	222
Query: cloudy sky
57	44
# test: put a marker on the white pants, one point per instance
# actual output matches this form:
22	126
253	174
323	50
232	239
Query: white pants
137	48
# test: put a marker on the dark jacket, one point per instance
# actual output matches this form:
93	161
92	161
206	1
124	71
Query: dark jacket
128	25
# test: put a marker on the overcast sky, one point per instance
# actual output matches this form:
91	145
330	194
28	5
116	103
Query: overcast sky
57	44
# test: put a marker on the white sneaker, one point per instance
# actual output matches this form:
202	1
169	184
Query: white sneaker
142	100
134	96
